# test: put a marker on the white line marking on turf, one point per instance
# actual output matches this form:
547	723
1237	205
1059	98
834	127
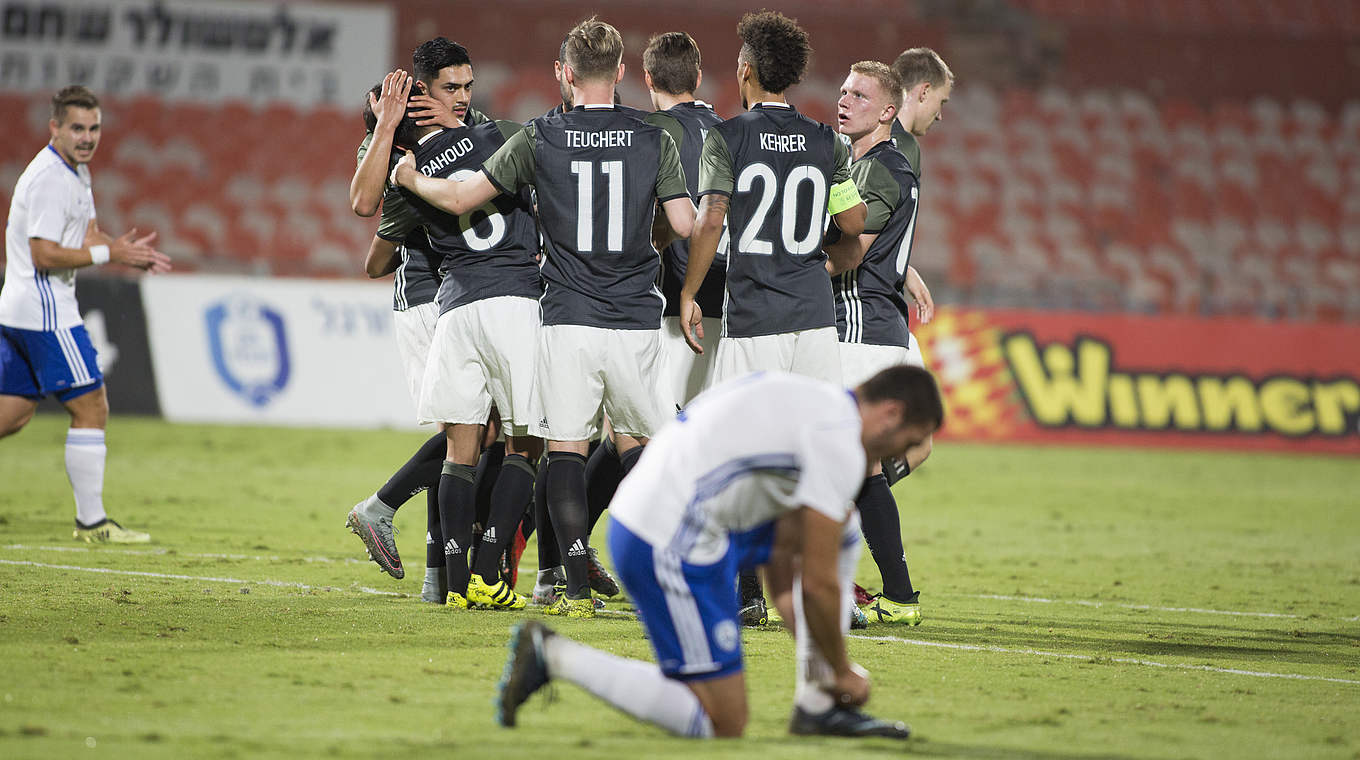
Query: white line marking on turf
207	579
1128	606
191	555
621	613
1102	658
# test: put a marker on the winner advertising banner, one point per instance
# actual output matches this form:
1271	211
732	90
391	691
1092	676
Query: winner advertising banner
1076	377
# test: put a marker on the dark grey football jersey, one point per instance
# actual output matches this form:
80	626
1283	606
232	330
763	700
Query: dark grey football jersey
870	307
778	167
598	174
691	121
490	251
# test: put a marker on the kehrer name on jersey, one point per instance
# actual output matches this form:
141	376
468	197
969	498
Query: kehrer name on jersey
783	143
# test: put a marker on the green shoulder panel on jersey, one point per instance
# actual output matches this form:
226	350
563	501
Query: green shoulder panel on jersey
841	157
398	217
878	189
670	175
513	165
509	128
910	147
669	123
715	165
363	148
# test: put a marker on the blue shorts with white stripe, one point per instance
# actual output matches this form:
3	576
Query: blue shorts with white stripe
690	611
38	363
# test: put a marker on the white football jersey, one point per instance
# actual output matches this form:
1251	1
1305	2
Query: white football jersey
740	455
52	201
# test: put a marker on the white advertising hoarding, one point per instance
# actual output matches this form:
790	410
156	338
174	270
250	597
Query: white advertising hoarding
301	53
276	352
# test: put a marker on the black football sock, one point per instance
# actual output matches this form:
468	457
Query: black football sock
514	487
604	470
567	509
548	556
882	527
434	534
488	469
457	497
421	471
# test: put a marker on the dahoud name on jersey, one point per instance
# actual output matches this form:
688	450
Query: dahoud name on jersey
436	164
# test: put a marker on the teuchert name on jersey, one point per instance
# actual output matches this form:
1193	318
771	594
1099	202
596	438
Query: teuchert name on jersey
609	138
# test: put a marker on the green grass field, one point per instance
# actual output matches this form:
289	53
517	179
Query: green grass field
1079	604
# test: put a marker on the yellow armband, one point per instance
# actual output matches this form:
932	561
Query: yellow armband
843	196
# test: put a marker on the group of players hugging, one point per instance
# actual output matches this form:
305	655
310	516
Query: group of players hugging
564	290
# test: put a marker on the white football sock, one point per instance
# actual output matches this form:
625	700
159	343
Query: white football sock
635	687
374	509
85	452
814	673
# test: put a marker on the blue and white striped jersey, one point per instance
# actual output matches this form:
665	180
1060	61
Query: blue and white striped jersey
741	455
52	201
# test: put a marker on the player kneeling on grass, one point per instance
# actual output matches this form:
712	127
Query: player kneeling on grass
759	471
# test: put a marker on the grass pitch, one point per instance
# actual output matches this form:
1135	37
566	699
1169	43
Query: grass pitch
1079	604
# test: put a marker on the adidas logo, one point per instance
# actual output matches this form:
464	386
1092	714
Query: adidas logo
577	548
489	535
428	538
543	421
451	547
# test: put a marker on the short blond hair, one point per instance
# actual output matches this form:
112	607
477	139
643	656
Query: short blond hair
883	74
593	49
917	65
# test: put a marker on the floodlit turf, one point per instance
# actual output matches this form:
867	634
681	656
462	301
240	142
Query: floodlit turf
1079	604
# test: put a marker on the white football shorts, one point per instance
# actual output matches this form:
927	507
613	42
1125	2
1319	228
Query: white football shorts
484	352
582	369
415	330
685	374
861	361
811	353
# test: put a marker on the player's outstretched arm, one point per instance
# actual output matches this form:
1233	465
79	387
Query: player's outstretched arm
819	552
99	248
381	259
916	288
453	196
366	187
703	247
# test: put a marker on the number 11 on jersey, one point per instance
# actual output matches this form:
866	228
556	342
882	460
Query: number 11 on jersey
585	201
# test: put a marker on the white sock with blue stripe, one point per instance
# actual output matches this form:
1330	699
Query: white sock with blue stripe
635	687
85	452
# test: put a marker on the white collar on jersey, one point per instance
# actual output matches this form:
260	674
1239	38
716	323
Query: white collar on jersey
422	140
773	104
597	106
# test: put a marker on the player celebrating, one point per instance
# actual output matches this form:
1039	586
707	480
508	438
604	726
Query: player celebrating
483	353
871	312
758	471
601	311
671	69
44	348
781	173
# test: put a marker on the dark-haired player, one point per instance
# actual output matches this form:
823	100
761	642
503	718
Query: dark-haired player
44	348
599	174
772	175
759	471
871	307
443	82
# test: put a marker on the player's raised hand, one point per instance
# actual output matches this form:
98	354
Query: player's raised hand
916	288
691	323
426	111
390	106
134	251
401	172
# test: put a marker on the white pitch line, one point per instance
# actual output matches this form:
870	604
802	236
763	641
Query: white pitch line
1103	658
913	642
191	555
204	578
